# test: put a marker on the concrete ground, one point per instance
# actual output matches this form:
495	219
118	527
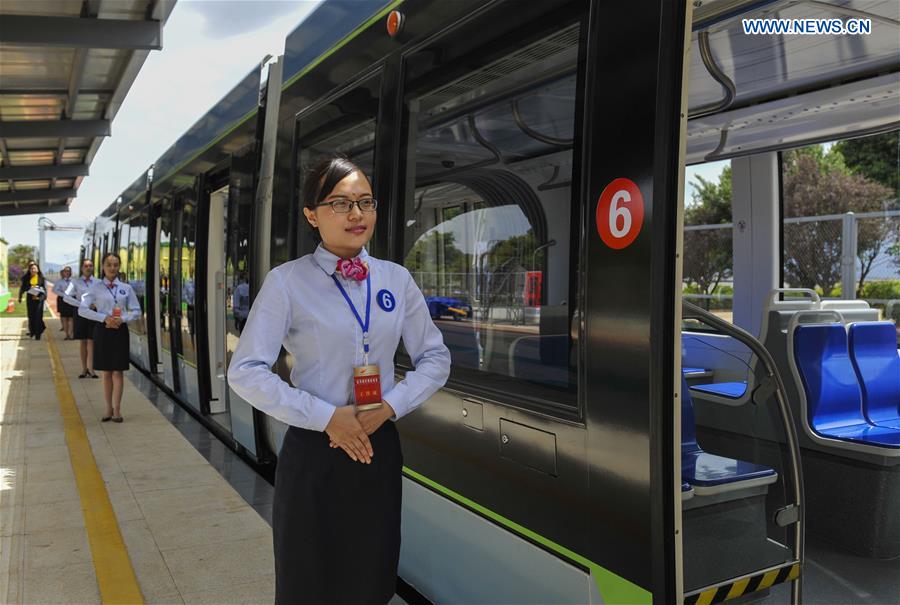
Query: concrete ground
188	536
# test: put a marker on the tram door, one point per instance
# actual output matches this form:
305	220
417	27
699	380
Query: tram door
165	259
217	299
228	285
183	289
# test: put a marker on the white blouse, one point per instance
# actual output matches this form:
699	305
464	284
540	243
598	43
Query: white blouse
62	287
80	286
104	296
301	308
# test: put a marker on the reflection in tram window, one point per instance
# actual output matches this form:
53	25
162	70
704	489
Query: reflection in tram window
165	251
488	218
188	266
241	302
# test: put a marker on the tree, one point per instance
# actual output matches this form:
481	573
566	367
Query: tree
876	157
18	258
708	253
437	264
816	183
436	252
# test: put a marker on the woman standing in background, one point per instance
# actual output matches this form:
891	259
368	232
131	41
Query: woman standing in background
35	287
66	311
84	328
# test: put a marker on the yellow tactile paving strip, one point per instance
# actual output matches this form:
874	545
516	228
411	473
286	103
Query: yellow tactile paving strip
115	575
190	537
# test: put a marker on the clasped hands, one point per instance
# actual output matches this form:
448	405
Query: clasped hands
350	430
112	322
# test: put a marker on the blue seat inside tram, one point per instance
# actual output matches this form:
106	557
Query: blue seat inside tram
833	397
709	472
730	390
873	351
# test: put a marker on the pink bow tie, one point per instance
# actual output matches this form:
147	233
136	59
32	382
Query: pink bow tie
353	268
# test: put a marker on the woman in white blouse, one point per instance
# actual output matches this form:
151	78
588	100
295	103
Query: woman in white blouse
84	327
66	311
112	304
341	314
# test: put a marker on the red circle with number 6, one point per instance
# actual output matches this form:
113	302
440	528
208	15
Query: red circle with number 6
620	213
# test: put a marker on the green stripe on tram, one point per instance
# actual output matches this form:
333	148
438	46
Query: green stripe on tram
614	589
238	123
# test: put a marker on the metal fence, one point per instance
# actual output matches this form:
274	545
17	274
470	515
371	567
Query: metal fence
840	255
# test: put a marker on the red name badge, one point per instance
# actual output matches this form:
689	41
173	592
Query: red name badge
117	311
367	387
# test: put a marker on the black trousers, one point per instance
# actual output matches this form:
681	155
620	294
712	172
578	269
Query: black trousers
336	522
35	316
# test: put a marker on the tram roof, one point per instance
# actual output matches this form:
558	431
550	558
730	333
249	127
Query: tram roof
66	68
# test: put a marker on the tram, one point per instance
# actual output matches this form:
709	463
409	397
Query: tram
598	441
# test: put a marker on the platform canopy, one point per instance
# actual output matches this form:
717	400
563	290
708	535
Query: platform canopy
65	68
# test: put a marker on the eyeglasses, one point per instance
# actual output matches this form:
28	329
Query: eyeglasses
342	205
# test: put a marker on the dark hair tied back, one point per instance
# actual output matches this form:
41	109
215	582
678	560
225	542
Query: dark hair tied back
325	174
107	255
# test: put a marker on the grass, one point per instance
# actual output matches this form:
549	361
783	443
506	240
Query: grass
21	310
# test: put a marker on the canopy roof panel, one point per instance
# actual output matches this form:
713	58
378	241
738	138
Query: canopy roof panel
65	68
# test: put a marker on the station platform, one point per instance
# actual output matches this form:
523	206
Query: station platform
158	510
102	512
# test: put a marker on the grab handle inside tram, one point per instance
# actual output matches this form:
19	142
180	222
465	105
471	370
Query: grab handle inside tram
811	294
791	513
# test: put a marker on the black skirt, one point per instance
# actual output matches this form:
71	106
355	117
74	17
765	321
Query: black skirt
336	522
64	309
36	324
84	328
110	348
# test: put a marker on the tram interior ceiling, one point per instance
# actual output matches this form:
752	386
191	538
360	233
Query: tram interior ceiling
749	94
65	68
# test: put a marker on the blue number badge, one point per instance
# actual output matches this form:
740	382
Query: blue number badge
385	300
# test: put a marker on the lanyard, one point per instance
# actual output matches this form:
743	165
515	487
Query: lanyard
363	325
112	292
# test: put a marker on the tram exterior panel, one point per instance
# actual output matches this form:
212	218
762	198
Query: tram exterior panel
548	469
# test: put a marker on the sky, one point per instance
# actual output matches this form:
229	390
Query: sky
208	46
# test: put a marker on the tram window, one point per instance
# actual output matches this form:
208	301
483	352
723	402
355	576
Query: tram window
186	310
345	126
137	253
829	188
124	260
165	284
488	214
708	261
